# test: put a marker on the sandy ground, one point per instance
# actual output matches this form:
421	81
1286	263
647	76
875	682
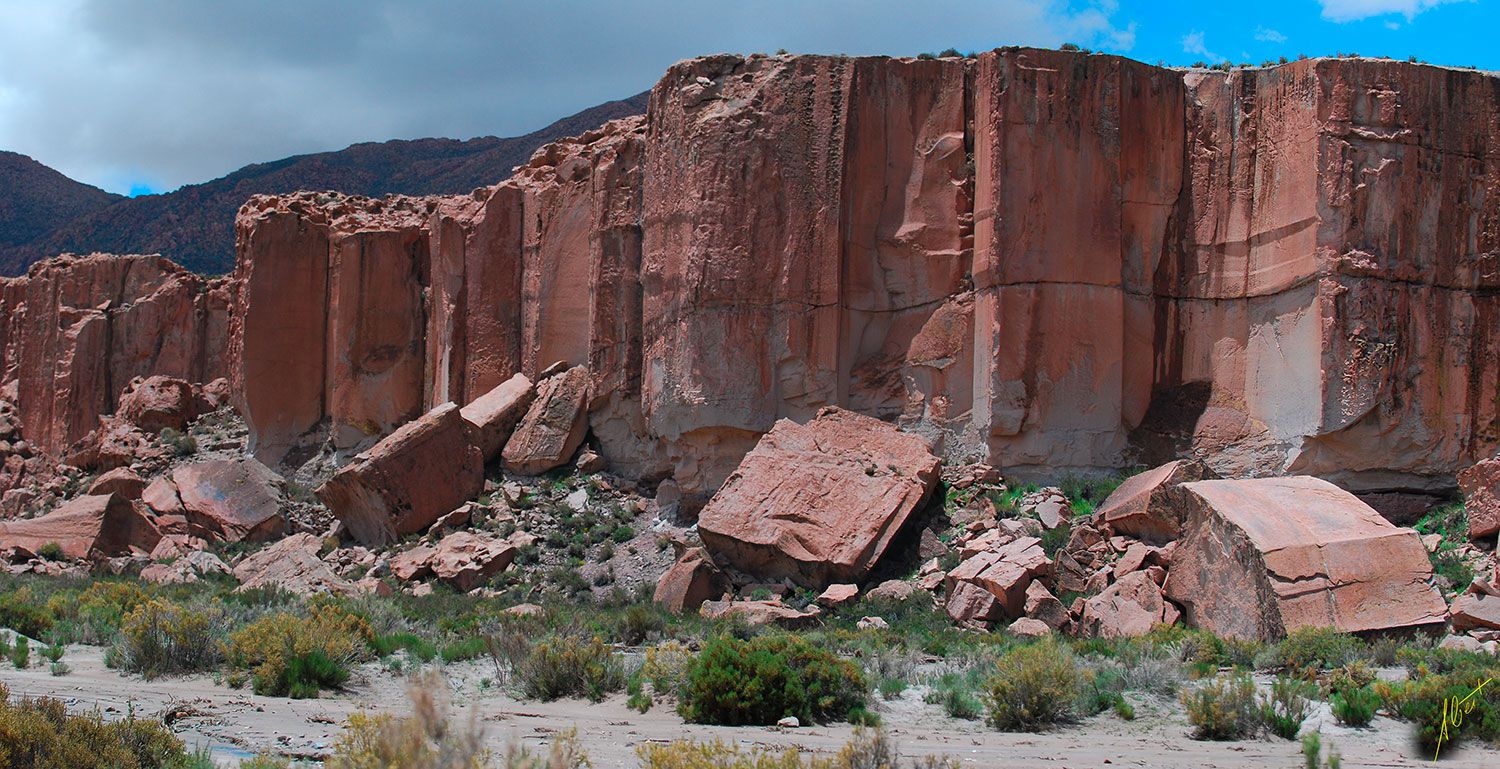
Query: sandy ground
235	724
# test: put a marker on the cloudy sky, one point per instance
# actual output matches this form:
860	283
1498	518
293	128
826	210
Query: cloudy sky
148	95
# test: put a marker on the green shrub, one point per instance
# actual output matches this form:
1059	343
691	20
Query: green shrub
1310	649
764	679
955	692
465	649
20	654
53	653
22	612
290	655
1100	688
1354	706
51	551
639	622
569	666
40	733
1285	708
1223	708
415	646
1421	700
178	442
1034	687
158	638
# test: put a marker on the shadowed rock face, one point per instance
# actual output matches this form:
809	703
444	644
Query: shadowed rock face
1045	260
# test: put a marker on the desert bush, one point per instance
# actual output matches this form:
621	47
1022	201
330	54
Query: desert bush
560	666
866	749
288	655
20	654
1421	700
640	622
159	638
1033	687
1354	706
178	442
40	733
1223	708
51	551
1285	708
1101	687
1307	650
22	612
99	610
764	679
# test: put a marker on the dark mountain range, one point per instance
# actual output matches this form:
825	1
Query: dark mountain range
43	213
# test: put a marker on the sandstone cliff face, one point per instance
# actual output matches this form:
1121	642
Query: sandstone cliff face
76	330
1041	259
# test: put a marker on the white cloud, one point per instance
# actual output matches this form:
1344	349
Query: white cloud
1192	43
1354	10
1269	35
181	91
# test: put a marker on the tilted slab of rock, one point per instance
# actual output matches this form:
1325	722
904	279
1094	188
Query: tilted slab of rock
689	582
1149	505
85	527
554	426
226	500
819	503
1264	556
1481	487
412	477
492	416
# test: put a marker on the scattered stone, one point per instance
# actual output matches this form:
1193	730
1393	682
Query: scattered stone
1130	607
893	590
1026	627
820	502
553	427
1473	611
1133	559
293	565
1048	505
401	485
872	623
838	595
156	403
1005	573
1460	643
1042	605
789	722
971	605
414	564
756	613
465	559
190	568
589	462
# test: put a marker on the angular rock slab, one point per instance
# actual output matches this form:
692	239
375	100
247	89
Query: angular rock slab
228	500
492	416
692	580
89	526
1130	607
293	565
1481	487
1264	556
1148	505
412	477
819	503
553	427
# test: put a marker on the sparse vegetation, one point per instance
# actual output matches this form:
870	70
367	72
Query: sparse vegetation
1223	708
1034	687
764	679
40	733
569	666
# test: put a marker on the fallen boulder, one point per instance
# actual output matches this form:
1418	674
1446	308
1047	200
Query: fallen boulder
1149	505
1129	607
820	502
188	569
412	477
756	613
89	526
689	582
554	425
491	417
122	481
1263	556
227	500
1474	611
157	403
466	559
1480	485
293	565
1005	573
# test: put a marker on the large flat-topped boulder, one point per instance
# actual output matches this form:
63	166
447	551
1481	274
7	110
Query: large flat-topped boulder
819	503
412	477
1264	556
492	416
84	527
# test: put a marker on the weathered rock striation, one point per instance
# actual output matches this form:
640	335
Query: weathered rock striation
1242	267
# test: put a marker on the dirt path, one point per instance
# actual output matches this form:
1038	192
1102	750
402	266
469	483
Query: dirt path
236	724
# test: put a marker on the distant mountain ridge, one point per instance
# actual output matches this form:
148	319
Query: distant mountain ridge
43	213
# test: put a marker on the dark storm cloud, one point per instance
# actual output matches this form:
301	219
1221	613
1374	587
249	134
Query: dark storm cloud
169	92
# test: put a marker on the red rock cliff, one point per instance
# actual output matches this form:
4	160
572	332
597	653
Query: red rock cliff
1047	260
